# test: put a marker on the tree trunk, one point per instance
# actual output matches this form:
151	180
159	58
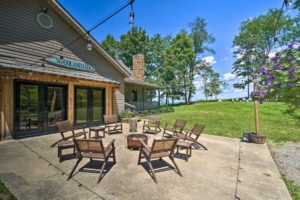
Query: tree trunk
256	109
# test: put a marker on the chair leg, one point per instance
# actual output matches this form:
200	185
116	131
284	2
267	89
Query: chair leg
151	168
78	161
55	143
101	172
172	159
140	157
58	152
204	147
114	156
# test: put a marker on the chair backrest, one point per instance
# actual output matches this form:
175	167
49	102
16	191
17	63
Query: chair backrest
164	145
197	130
180	124
89	146
154	120
110	119
64	126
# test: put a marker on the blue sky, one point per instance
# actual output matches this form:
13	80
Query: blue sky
170	16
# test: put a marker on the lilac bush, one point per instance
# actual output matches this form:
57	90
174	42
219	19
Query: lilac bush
281	74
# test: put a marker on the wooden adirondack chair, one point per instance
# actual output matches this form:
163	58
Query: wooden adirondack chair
67	133
160	148
152	125
193	135
94	149
112	124
174	128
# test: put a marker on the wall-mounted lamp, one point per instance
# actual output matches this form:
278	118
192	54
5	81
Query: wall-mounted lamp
44	9
89	45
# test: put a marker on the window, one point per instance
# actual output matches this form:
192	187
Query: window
134	95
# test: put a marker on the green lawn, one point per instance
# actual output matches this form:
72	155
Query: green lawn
232	119
293	188
4	193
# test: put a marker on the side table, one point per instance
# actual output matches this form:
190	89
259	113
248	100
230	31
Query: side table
97	129
133	125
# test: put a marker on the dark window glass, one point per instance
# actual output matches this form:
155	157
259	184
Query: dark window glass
28	107
81	106
97	105
56	105
134	95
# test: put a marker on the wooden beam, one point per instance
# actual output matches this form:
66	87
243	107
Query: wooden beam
108	100
70	102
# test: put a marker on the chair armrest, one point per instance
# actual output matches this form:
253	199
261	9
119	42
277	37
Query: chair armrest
112	143
143	143
146	120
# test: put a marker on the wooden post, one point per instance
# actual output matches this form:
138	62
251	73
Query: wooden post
71	102
108	100
7	108
256	108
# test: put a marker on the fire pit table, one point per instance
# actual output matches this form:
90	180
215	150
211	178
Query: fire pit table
133	141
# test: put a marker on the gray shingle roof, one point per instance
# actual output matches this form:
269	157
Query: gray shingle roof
142	83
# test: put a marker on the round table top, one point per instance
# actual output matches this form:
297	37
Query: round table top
97	128
137	136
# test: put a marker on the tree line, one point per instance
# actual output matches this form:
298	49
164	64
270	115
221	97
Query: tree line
172	62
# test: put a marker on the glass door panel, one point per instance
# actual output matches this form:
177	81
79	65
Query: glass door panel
97	105
56	106
27	107
81	106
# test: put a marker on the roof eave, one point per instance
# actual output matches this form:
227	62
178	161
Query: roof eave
79	27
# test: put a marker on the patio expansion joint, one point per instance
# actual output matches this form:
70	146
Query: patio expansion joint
63	173
238	173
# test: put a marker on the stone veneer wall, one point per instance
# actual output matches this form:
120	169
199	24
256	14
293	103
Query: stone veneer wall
138	67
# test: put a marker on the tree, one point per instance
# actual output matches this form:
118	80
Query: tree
200	40
216	84
205	74
257	38
111	46
133	42
178	57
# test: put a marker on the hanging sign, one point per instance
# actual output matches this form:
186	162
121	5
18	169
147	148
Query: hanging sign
72	64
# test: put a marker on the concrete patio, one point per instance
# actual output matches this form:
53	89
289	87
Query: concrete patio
31	170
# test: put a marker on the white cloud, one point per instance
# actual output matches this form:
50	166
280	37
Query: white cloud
229	76
210	60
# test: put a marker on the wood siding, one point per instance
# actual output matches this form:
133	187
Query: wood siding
26	42
23	39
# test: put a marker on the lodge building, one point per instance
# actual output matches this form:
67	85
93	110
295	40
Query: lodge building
41	84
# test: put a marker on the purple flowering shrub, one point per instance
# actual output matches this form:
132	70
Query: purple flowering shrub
282	74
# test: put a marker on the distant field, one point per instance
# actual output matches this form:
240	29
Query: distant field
232	119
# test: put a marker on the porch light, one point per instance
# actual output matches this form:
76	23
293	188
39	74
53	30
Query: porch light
89	45
287	3
44	10
131	22
131	16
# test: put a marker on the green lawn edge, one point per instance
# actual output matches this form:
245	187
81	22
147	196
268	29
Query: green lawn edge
5	194
233	119
292	187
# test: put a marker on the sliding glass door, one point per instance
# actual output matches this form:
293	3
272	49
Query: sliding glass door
89	105
38	107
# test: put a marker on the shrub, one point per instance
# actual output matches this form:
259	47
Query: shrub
126	114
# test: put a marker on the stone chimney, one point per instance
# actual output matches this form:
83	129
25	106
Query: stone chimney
138	67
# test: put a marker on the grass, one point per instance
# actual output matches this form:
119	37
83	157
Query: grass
232	119
293	188
4	193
